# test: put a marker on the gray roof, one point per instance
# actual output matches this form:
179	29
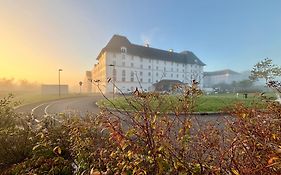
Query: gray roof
117	41
221	72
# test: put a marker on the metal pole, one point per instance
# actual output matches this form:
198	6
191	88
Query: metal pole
59	81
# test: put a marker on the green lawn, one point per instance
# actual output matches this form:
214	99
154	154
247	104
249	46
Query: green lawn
168	103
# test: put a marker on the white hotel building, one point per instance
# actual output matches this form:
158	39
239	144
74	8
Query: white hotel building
130	66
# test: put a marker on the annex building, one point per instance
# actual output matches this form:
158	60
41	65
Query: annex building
130	66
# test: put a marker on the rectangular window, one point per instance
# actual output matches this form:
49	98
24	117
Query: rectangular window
171	75
141	66
149	67
132	64
156	67
123	64
172	69
149	73
149	80
140	73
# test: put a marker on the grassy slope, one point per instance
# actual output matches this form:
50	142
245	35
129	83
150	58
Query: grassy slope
33	97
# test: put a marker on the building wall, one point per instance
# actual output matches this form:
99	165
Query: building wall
134	71
209	81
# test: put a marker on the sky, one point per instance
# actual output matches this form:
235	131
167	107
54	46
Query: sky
38	37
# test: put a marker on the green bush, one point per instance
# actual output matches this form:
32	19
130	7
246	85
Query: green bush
144	141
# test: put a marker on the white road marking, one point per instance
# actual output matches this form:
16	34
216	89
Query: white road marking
33	109
50	115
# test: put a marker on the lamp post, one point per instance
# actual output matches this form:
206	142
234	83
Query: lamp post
113	79
59	80
80	84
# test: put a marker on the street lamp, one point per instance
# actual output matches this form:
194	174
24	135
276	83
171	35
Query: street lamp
59	80
113	77
80	84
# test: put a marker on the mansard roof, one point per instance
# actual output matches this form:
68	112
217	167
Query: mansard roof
117	41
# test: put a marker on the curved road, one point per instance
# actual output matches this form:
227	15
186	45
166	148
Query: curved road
79	105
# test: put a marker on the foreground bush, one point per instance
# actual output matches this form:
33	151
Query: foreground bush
145	141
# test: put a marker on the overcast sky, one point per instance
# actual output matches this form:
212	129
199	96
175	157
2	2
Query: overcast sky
37	37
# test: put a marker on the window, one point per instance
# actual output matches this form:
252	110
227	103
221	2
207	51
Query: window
132	64
164	68
123	64
114	74
149	80
149	73
177	69
140	73
141	66
132	76
149	67
171	75
123	75
177	75
172	69
123	50
140	79
177	64
156	67
156	74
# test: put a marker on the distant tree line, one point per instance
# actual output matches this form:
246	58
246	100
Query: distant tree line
11	84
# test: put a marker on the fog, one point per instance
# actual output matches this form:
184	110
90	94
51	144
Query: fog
14	85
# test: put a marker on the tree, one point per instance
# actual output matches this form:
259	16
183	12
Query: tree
266	70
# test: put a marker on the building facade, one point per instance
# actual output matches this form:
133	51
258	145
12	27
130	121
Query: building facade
226	76
129	66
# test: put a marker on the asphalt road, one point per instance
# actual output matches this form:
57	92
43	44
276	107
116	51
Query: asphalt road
79	105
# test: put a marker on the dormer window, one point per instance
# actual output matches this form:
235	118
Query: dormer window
123	50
